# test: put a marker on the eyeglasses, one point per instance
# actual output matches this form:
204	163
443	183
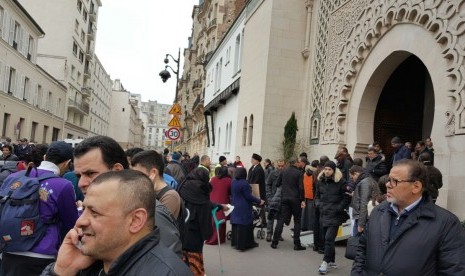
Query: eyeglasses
395	182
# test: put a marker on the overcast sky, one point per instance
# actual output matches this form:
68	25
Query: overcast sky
133	38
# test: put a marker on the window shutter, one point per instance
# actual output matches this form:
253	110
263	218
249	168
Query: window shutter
12	31
6	73
34	93
6	26
19	85
2	76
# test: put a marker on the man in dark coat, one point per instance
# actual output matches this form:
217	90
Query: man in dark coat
344	162
270	192
7	151
255	176
376	166
291	183
422	148
332	199
434	174
408	234
400	150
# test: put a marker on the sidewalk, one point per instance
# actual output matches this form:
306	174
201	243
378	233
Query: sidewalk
267	261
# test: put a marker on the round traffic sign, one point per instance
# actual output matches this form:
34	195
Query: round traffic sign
173	133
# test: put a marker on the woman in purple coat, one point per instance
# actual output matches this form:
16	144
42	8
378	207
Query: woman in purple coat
242	237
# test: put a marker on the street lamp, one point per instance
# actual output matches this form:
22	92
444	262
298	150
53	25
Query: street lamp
165	74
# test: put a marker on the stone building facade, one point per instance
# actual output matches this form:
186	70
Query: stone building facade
355	72
211	20
32	102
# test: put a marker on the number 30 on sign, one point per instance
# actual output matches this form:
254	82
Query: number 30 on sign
173	133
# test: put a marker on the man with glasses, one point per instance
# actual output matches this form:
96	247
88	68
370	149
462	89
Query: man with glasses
408	234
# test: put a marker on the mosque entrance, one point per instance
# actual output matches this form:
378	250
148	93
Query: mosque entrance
406	105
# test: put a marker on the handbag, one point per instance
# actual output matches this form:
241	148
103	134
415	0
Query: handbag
351	248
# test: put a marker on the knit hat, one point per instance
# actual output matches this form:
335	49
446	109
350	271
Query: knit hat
59	151
330	164
257	157
175	156
396	140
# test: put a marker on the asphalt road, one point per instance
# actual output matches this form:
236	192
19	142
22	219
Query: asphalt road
267	261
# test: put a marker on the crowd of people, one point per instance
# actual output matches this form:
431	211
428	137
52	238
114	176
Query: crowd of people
140	212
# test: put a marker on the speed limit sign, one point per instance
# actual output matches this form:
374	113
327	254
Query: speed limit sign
173	133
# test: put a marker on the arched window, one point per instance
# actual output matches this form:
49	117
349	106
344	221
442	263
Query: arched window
250	130
315	128
237	52
244	132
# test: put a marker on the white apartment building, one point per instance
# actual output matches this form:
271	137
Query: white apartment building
126	127
99	115
156	124
221	89
32	102
67	53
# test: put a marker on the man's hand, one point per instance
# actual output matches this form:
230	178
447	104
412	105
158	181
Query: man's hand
262	202
70	260
302	204
359	229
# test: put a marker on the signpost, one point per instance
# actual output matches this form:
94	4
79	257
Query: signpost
173	133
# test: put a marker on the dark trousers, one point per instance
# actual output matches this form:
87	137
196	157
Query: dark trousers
289	207
318	238
14	265
330	234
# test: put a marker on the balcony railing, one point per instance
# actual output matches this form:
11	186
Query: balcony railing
81	107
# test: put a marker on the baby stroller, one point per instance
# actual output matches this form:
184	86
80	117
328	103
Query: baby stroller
257	222
256	213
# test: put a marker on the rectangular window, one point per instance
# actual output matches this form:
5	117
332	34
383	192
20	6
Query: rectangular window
33	131
55	134
81	56
83	36
76	26
2	16
73	71
75	48
6	123
16	36
44	136
26	89
30	47
12	81
49	102
40	95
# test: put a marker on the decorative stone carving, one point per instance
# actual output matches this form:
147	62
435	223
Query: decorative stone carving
354	29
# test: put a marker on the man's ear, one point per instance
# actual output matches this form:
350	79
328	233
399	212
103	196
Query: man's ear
138	220
117	167
417	187
154	173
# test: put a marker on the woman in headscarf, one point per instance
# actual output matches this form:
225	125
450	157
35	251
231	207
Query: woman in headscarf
242	237
220	194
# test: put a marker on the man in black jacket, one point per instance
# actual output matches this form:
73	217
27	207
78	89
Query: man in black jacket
376	166
116	233
256	176
291	183
408	234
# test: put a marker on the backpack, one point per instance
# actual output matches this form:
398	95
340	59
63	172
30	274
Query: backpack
183	216
170	181
20	224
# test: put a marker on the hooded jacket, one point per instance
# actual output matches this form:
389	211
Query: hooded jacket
366	189
332	199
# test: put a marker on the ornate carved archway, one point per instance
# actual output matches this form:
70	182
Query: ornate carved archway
349	47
